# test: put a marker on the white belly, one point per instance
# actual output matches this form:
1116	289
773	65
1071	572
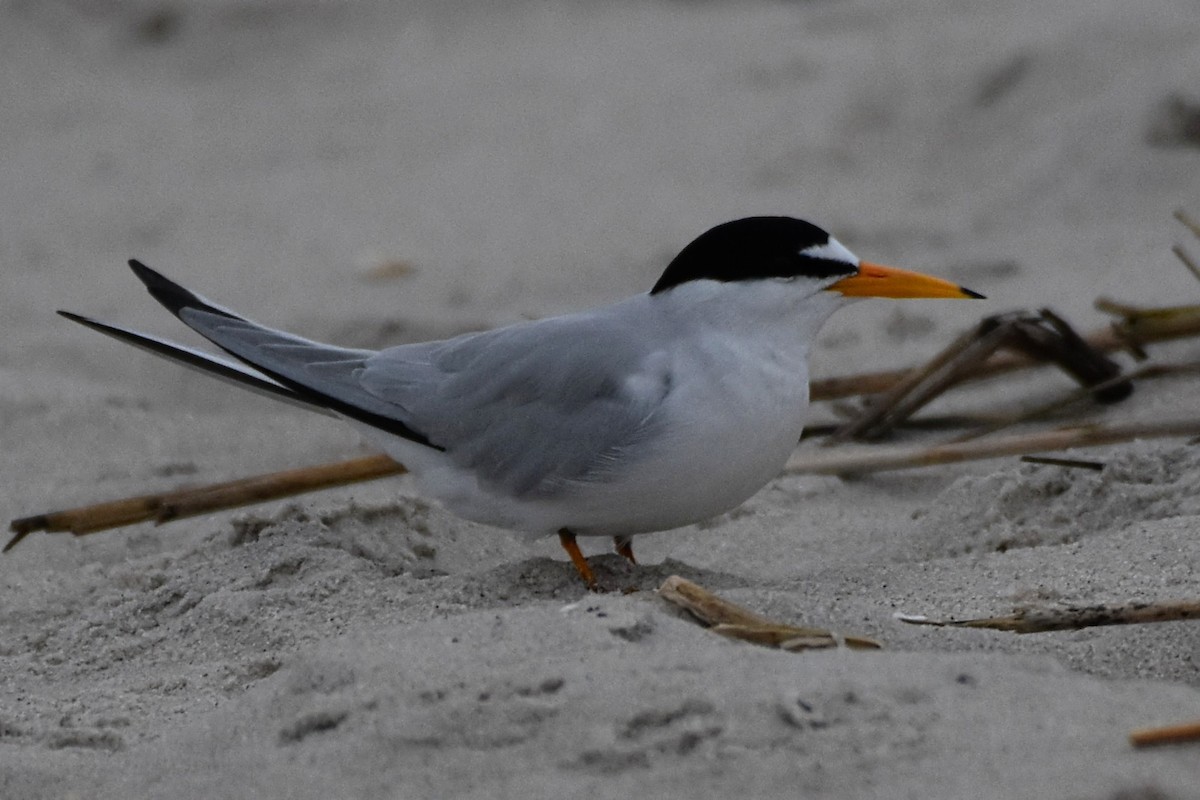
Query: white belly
720	449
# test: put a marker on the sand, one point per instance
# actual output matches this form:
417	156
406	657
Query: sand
519	160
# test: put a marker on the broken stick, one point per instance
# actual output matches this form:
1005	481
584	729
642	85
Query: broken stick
1045	336
180	503
1167	734
1138	326
1069	618
732	621
877	459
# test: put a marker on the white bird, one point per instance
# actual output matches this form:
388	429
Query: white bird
649	414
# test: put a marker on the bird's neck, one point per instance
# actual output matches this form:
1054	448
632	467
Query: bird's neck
754	314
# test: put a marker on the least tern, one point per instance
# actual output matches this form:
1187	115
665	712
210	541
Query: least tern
649	414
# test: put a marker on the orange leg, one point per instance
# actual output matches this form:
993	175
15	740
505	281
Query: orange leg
567	539
624	547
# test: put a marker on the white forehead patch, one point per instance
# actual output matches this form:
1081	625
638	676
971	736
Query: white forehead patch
833	250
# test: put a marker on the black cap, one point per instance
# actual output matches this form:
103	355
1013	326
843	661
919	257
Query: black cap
752	249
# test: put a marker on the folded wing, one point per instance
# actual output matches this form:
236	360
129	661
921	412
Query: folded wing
531	409
318	374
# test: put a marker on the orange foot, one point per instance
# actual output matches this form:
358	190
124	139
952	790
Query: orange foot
567	539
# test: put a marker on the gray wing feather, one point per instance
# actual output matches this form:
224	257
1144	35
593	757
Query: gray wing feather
329	370
281	357
531	408
226	369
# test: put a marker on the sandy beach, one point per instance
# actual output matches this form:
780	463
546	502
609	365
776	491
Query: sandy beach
375	173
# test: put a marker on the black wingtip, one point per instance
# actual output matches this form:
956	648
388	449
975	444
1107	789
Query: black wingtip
87	322
174	297
972	294
167	292
145	274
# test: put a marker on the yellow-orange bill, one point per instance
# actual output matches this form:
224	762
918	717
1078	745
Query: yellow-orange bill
876	280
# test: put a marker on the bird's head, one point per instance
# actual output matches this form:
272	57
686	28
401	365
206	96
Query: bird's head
790	250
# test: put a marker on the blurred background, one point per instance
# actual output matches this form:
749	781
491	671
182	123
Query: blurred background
376	172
